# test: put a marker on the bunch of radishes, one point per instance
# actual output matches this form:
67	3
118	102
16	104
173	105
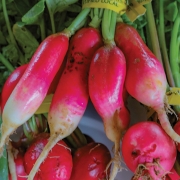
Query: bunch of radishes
103	66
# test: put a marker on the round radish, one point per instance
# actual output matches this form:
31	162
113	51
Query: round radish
57	165
90	162
148	151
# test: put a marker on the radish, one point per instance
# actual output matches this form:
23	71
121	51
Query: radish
58	164
71	97
106	88
10	83
177	130
14	78
172	175
90	162
148	151
145	77
20	173
33	86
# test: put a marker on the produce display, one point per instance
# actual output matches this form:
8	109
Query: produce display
58	56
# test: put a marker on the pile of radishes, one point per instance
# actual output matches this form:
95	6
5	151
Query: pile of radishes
99	62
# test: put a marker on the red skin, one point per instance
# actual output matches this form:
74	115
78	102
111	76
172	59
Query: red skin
71	96
145	77
33	86
145	73
11	82
14	78
145	143
20	170
78	61
173	175
90	162
36	80
106	89
177	130
58	164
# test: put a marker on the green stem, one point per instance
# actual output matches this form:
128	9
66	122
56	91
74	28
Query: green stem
12	39
96	15
6	17
27	131
78	22
108	26
6	63
71	142
76	140
33	125
174	51
52	22
80	136
161	34
42	29
153	32
40	122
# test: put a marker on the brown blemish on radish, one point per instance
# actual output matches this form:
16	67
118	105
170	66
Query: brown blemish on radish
137	60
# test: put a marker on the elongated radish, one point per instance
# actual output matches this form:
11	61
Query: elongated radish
106	86
58	164
148	151
10	83
33	86
14	78
71	97
145	78
90	162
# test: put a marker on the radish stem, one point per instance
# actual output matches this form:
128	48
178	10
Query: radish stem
13	41
108	26
174	50
96	15
77	23
161	34
153	32
6	63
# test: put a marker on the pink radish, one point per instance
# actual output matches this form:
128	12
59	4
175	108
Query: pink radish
106	89
148	151
10	83
33	86
14	78
145	78
71	97
90	162
177	130
172	175
58	164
